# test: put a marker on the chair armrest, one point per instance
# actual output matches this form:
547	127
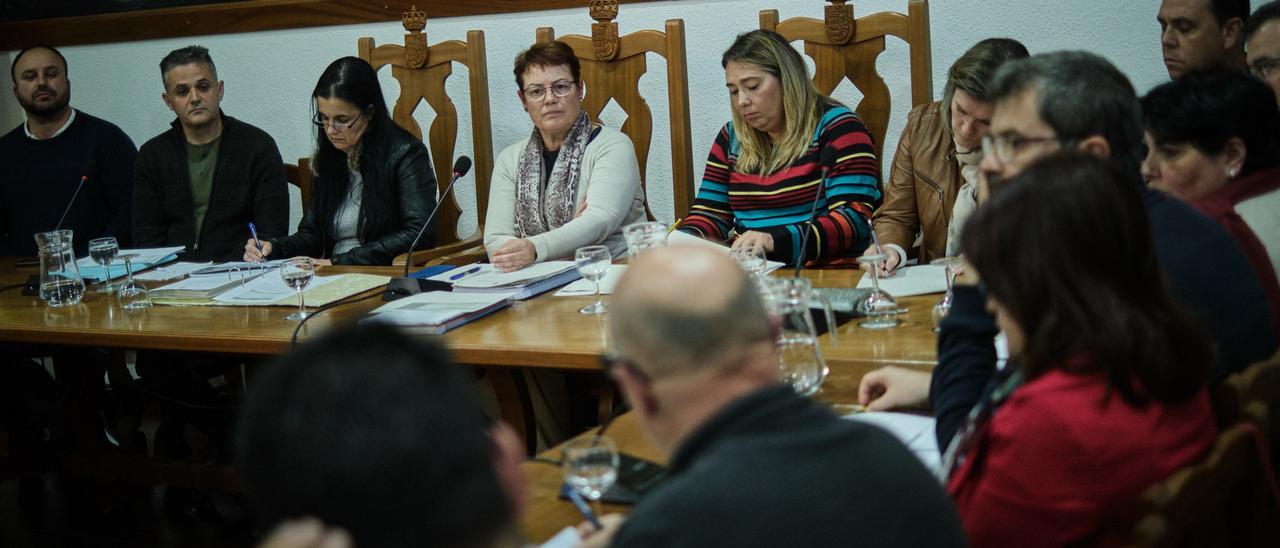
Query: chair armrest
424	256
474	255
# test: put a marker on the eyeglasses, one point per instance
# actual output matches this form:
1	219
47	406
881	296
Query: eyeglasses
1006	147
1264	67
559	88
339	122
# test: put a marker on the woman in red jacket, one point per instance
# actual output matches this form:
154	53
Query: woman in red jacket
1104	394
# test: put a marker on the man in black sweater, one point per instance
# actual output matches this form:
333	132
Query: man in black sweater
46	158
752	463
203	181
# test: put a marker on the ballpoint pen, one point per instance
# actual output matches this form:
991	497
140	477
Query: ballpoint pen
253	231
576	498
464	274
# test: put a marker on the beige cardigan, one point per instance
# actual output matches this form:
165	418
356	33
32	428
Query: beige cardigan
610	185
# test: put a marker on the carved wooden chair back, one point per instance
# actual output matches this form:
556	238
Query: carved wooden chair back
611	69
300	176
843	47
422	71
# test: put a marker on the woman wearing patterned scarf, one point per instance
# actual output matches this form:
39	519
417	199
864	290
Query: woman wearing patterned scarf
571	183
933	183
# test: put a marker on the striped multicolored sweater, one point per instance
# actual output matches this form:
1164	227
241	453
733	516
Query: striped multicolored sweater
730	203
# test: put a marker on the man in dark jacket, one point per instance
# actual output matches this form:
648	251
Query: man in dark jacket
752	463
203	181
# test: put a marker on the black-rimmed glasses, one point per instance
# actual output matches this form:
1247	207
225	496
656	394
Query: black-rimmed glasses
559	88
340	122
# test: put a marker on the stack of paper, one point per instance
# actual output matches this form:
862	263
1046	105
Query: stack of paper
914	431
439	311
521	284
260	290
911	280
202	288
141	259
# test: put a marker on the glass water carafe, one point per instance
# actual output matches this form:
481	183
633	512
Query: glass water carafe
800	359
60	280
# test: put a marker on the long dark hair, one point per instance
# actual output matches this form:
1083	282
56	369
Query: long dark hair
1066	247
354	81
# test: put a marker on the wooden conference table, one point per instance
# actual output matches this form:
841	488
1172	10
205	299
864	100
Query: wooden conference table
545	332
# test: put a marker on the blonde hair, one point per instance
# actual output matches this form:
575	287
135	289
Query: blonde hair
802	104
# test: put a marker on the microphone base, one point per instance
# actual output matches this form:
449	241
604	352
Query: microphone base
403	287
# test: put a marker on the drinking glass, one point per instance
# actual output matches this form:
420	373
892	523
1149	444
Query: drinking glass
644	235
751	258
879	306
103	251
297	273
590	466
133	295
593	263
940	310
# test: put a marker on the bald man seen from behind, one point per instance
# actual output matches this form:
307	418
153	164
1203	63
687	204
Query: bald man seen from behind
751	462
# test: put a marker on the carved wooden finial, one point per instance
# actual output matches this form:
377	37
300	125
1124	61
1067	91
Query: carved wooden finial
839	22
604	32
415	42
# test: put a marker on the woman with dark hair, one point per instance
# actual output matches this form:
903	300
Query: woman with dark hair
374	187
1213	140
1105	392
571	183
933	184
787	148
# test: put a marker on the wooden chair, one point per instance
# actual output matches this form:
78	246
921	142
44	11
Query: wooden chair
300	176
1212	503
843	47
422	71
611	69
1260	383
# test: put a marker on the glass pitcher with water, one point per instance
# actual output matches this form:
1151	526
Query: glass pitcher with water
60	280
799	355
644	235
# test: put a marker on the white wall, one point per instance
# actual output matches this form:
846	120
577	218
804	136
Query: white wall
269	75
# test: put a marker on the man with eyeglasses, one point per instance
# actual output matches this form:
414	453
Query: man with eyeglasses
203	181
1202	35
1262	45
1072	99
752	462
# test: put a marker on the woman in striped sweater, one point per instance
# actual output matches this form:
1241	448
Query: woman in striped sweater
787	148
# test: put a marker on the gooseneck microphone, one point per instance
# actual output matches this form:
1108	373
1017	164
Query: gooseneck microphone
828	158
84	178
405	286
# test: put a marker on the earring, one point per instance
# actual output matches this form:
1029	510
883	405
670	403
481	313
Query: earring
1231	172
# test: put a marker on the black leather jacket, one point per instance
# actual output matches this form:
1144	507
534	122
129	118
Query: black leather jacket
410	165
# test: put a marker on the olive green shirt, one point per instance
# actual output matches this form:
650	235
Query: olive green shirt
201	161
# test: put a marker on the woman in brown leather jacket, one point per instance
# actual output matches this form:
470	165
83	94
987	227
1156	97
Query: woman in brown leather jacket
374	186
934	178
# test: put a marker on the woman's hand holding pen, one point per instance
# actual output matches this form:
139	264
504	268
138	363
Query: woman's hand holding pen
253	254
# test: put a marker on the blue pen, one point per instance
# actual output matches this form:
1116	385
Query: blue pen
576	498
464	274
253	231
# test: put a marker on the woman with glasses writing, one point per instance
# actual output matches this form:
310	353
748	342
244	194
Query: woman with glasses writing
571	183
374	187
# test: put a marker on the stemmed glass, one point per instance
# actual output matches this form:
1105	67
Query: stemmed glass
133	295
103	251
297	273
593	263
879	307
590	466
751	258
940	310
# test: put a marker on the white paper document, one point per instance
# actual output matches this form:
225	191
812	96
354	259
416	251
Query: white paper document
911	280
566	538
489	277
914	431
436	307
169	271
140	256
585	287
265	289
